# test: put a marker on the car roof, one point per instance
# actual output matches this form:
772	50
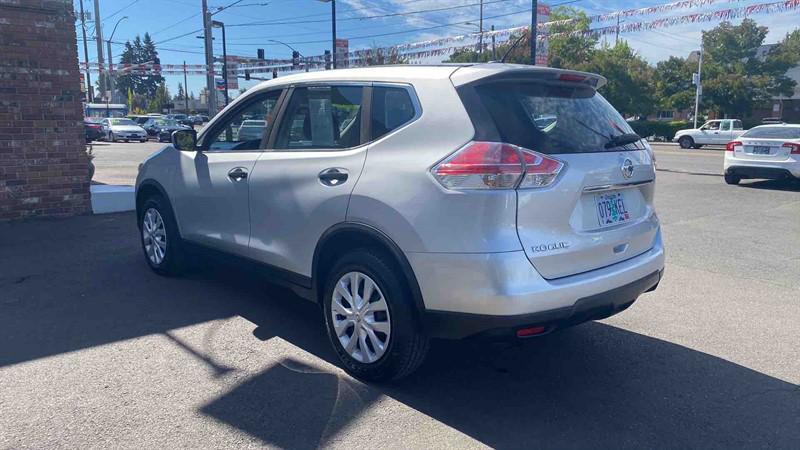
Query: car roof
778	125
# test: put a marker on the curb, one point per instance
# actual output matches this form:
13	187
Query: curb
112	198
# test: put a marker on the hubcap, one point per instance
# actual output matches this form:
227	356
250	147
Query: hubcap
154	236
360	317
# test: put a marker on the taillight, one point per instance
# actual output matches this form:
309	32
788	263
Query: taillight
495	165
794	149
731	145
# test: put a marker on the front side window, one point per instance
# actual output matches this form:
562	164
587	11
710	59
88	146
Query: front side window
245	127
714	125
391	108
322	117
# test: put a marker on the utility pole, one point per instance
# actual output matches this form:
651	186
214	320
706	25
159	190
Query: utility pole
534	7
185	90
333	30
210	84
89	96
616	40
98	32
218	24
699	85
494	48
110	76
480	38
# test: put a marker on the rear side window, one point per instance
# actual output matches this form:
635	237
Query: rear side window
322	117
551	119
737	124
773	133
391	109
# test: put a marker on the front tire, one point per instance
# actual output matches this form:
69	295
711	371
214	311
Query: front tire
161	242
111	137
731	178
686	142
370	319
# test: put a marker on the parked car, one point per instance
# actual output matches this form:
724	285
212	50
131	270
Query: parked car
713	132
92	130
162	129
765	151
441	210
139	119
251	129
196	120
123	129
181	118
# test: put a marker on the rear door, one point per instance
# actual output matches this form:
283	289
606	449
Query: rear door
301	185
600	211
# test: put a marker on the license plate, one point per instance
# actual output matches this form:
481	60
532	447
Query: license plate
611	209
759	150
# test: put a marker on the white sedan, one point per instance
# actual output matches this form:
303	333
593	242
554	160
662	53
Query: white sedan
122	129
767	151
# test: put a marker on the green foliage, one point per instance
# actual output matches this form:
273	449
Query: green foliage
140	51
673	83
570	51
667	130
734	77
630	79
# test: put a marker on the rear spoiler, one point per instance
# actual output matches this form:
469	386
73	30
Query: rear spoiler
498	72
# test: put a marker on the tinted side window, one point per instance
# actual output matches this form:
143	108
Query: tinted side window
725	126
391	109
243	129
322	117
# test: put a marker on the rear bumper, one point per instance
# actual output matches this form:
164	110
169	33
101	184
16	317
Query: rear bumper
466	294
769	173
451	325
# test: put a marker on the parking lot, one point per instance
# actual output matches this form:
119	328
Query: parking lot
97	351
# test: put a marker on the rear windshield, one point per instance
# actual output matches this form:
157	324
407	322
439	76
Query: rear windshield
773	133
551	119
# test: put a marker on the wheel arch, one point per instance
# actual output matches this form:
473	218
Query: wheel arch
147	189
353	235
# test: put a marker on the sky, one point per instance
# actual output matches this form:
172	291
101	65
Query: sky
172	25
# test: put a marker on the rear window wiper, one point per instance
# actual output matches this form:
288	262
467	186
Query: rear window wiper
622	139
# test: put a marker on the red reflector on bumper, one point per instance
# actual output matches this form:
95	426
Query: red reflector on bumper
530	331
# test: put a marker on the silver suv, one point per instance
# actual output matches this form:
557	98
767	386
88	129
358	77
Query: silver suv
418	202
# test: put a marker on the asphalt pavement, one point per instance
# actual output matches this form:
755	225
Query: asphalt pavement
96	351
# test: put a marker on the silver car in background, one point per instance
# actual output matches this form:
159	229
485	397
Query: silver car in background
418	202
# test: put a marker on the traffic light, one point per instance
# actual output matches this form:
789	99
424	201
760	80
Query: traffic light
327	60
260	53
295	60
246	74
274	73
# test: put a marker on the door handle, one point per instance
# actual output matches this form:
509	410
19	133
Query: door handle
333	176
237	174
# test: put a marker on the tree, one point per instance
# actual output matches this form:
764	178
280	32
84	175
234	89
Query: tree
673	83
140	51
735	76
630	79
181	93
160	99
569	51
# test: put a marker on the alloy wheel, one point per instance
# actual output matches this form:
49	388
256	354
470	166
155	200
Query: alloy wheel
360	317
154	236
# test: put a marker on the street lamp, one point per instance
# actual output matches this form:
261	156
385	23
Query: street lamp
333	27
110	78
218	24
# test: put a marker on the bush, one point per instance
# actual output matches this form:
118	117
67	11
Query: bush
657	128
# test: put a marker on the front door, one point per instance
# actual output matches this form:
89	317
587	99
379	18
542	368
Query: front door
301	185
211	192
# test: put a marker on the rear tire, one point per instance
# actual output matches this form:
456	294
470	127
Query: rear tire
696	146
392	340
161	241
731	178
686	142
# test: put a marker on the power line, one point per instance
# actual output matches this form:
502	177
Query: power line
120	10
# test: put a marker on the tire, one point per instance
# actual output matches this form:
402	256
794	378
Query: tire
696	146
142	140
731	178
405	344
125	141
172	260
686	142
111	137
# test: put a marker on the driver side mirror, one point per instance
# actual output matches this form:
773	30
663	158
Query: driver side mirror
185	140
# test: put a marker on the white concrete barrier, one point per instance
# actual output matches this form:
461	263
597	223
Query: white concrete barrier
112	198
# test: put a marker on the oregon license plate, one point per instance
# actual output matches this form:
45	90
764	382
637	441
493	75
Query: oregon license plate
759	150
611	209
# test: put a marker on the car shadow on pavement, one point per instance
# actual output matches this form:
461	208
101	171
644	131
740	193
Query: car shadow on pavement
71	284
773	185
595	385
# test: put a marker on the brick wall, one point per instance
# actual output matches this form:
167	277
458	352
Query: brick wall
43	162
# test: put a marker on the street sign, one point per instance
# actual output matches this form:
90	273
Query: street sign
695	78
